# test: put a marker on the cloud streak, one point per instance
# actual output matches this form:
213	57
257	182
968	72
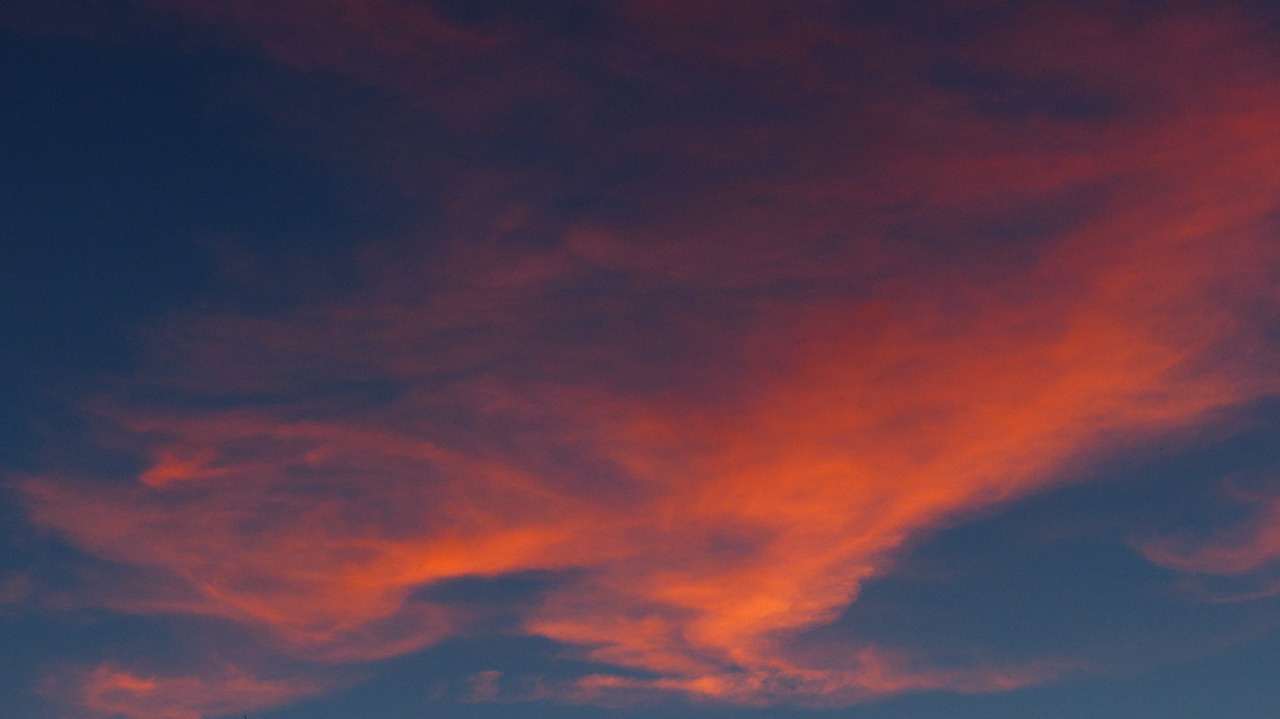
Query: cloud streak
109	691
1248	548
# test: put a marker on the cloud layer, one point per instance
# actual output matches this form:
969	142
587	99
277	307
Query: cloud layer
871	285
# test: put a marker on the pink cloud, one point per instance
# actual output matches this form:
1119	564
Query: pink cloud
15	588
1249	547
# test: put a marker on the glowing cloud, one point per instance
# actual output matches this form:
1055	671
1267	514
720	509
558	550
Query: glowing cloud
109	691
722	436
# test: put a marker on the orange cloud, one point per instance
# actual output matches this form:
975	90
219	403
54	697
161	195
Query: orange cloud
867	674
109	691
723	436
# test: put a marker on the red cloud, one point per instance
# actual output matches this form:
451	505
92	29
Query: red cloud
725	414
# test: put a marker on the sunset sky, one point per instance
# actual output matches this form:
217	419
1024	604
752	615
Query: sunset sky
672	359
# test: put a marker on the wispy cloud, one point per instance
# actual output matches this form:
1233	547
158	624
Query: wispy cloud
728	406
109	691
15	588
1250	549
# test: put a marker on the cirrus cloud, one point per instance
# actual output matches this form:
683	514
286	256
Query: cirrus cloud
721	406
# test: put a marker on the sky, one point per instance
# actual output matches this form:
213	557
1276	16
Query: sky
697	359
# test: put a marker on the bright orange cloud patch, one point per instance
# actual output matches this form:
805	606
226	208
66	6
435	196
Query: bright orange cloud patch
109	691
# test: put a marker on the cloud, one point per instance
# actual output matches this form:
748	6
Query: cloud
15	588
1251	546
332	34
868	674
805	334
110	691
